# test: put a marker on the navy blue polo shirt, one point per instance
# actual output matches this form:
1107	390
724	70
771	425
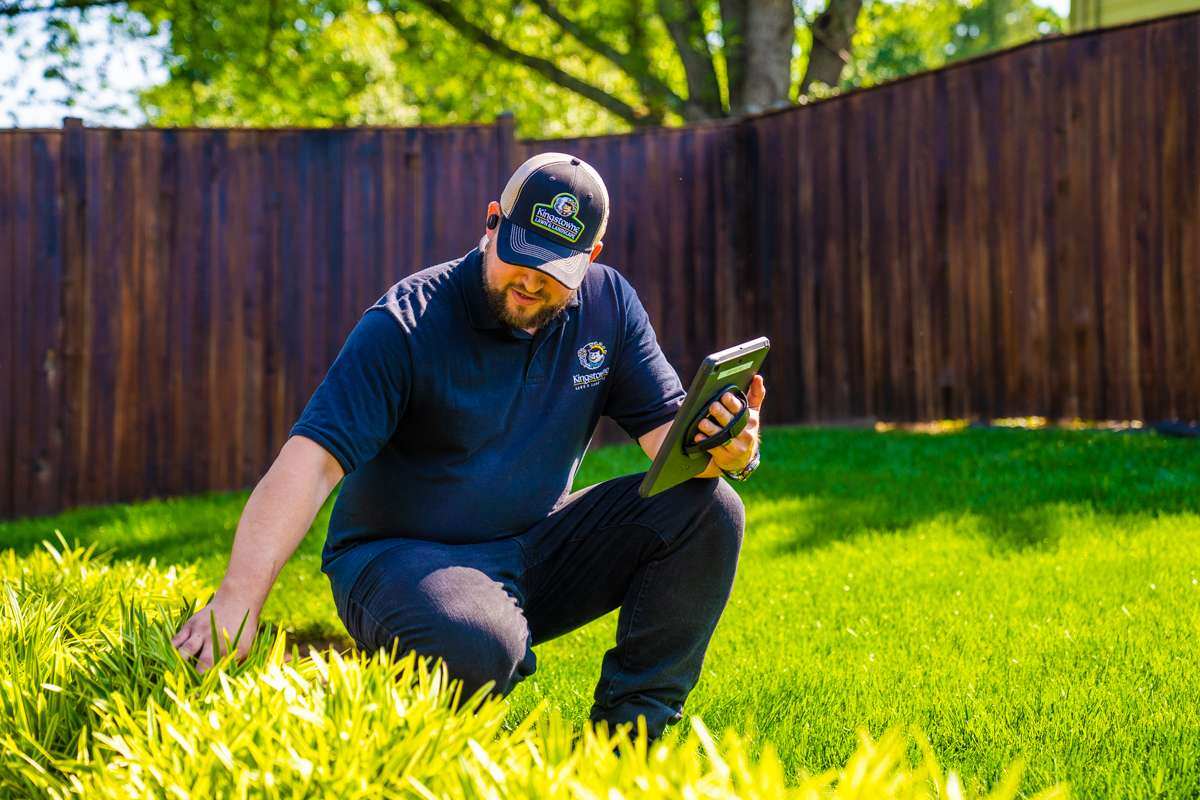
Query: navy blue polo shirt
455	427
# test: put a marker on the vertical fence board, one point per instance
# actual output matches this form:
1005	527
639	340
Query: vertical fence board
1147	252
1088	331
125	241
274	284
856	239
10	373
1112	265
1189	212
75	308
189	379
253	187
43	264
103	152
1177	156
23	436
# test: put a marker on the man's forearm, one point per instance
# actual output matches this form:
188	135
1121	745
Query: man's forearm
652	441
277	515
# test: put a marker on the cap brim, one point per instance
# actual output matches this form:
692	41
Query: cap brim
523	247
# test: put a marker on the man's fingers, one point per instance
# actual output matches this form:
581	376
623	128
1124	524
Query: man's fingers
204	656
723	416
720	413
192	645
181	637
758	391
742	443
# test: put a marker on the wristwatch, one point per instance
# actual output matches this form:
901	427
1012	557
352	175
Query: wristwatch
745	471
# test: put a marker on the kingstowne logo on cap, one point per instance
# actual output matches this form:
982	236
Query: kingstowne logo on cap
558	216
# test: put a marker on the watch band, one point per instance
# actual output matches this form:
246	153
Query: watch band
745	472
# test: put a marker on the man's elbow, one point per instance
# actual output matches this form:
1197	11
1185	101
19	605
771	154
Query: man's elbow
651	441
305	456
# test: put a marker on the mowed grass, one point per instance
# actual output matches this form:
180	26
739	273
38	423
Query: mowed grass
1015	594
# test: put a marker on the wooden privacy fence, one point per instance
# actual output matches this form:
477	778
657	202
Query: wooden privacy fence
1015	235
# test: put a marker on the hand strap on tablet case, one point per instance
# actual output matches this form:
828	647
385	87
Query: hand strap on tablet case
735	426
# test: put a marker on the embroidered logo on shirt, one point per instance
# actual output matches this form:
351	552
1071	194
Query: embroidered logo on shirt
588	380
592	355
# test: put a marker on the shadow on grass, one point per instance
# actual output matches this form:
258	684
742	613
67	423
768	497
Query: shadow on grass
173	530
827	485
319	638
818	522
1015	487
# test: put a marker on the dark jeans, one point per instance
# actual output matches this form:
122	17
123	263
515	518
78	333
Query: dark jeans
668	561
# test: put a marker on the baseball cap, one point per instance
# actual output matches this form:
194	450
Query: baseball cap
553	209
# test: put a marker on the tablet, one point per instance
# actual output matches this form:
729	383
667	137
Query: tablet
681	457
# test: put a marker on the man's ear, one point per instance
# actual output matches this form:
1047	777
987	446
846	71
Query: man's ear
493	208
596	248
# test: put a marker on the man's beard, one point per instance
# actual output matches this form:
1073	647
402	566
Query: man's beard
498	302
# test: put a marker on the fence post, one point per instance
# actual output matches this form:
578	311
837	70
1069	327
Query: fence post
75	309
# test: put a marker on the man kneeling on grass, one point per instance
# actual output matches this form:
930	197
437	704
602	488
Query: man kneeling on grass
458	410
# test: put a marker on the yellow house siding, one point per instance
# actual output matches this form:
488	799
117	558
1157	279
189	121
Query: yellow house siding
1096	13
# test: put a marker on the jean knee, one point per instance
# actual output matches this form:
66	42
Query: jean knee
729	512
478	653
730	506
469	657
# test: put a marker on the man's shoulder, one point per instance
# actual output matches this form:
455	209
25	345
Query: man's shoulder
605	284
417	296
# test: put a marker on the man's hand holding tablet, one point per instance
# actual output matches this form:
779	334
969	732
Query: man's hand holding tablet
716	430
735	454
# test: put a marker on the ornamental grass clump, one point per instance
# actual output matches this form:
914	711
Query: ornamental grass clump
97	703
74	627
359	727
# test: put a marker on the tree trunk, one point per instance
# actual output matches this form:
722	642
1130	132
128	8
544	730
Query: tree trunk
832	32
686	27
758	37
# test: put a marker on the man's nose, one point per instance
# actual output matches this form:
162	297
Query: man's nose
531	285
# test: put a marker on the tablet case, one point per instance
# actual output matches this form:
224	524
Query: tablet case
680	457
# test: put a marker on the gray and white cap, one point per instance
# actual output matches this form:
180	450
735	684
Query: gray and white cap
553	209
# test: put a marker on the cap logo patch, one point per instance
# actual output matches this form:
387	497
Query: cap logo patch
558	216
592	354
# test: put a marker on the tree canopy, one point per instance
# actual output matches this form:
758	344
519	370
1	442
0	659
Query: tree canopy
592	66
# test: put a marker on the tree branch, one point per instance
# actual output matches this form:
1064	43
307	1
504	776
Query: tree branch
635	24
733	34
547	69
650	85
683	22
15	9
268	45
832	32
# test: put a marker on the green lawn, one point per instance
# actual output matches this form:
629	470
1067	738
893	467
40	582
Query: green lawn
1014	593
